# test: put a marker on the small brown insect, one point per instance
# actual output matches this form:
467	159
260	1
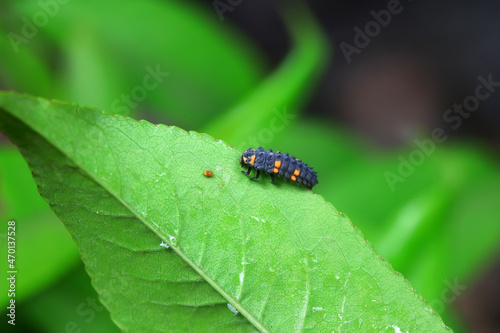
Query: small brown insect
208	173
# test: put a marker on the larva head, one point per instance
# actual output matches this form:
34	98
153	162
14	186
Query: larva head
248	157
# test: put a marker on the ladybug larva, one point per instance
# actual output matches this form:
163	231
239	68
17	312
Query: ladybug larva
280	164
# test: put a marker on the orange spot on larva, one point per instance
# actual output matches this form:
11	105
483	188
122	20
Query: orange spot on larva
296	172
293	178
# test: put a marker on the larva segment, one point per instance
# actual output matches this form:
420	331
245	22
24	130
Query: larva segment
276	163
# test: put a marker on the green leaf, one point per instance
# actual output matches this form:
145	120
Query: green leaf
278	253
39	238
443	219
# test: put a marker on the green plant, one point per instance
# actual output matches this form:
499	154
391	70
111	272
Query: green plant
279	254
440	226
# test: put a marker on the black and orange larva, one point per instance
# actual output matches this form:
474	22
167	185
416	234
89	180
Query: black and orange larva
280	164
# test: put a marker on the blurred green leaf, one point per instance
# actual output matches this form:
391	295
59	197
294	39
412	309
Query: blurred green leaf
210	65
40	237
76	304
478	204
24	70
92	75
273	104
19	196
414	223
285	259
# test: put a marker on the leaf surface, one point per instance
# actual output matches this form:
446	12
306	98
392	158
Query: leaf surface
278	253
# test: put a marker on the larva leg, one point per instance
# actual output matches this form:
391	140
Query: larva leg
256	176
248	172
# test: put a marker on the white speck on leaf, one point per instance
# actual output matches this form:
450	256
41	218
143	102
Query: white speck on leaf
219	168
396	329
341	315
164	245
232	308
173	240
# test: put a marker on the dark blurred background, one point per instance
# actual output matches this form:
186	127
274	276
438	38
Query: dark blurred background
427	58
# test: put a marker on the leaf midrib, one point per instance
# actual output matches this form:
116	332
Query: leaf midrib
197	269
